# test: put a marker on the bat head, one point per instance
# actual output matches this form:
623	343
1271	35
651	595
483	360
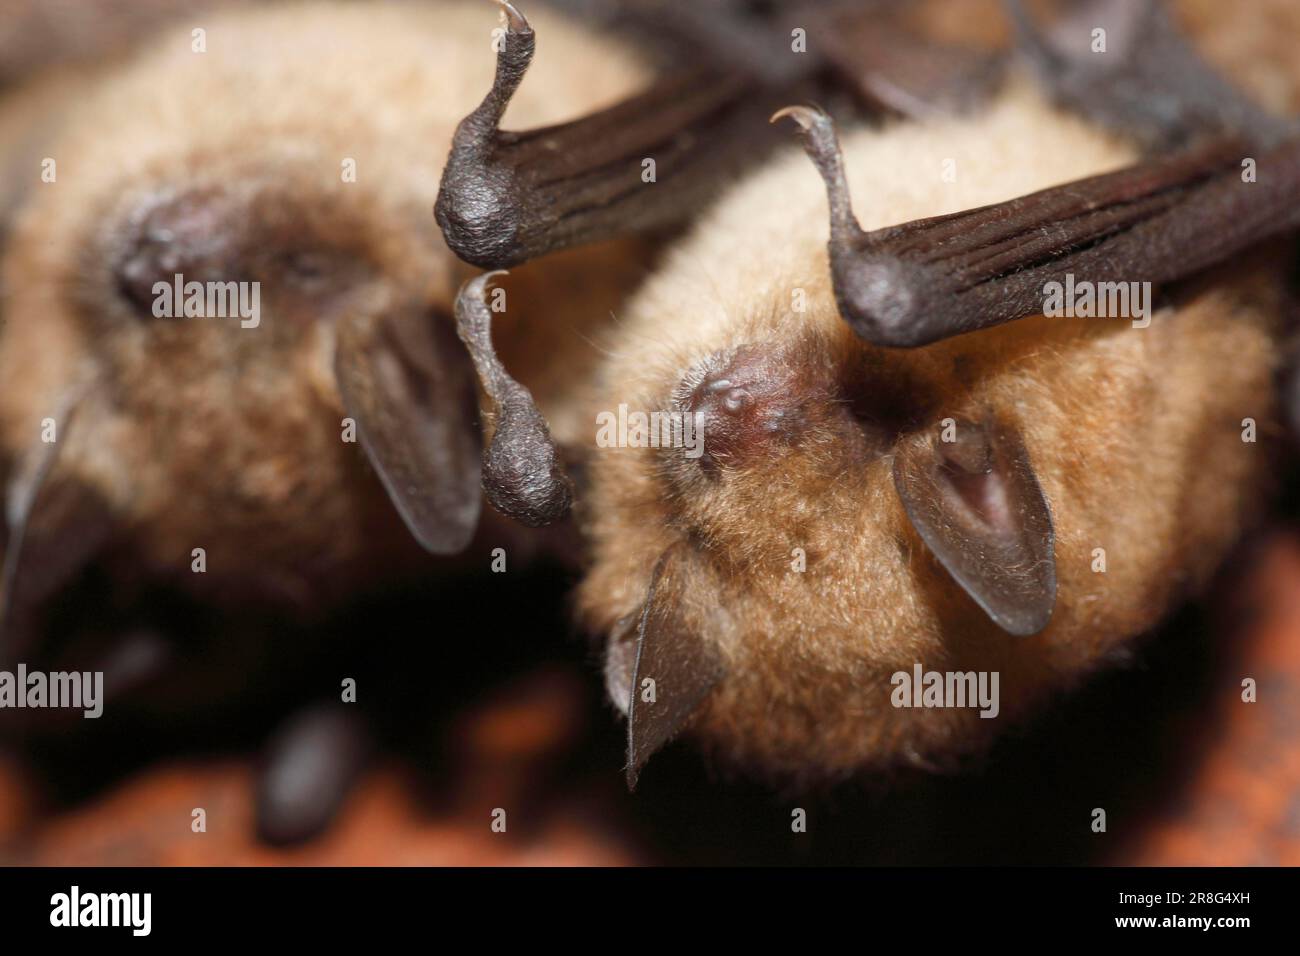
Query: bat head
1016	501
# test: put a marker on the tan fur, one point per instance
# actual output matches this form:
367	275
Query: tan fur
207	435
1135	435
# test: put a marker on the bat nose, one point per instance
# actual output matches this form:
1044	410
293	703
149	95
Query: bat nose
748	402
187	234
722	395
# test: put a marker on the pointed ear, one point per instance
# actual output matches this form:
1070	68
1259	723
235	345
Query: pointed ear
408	384
680	664
54	524
976	503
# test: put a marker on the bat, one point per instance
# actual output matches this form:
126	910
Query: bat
301	430
909	474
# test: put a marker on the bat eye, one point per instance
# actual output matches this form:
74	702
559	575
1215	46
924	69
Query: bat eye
306	268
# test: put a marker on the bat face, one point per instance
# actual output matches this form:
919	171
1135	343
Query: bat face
236	259
1018	501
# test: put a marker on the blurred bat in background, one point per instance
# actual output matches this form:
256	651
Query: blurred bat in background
227	309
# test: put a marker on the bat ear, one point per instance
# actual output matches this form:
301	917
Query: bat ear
408	384
53	525
971	494
673	671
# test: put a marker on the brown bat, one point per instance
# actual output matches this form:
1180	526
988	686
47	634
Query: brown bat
838	520
230	433
227	310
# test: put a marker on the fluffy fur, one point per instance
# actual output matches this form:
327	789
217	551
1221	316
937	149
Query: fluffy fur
1135	434
203	434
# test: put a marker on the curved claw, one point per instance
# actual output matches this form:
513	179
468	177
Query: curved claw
516	22
820	142
805	116
522	475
